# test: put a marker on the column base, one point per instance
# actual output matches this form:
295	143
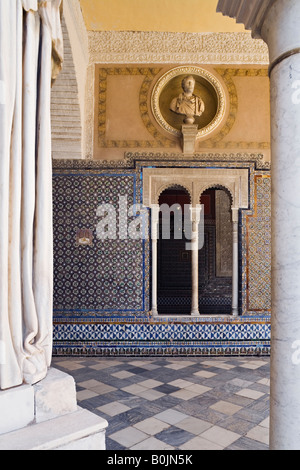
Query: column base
235	312
195	313
45	416
154	313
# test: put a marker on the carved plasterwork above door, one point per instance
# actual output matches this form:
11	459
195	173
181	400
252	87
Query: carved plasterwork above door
195	181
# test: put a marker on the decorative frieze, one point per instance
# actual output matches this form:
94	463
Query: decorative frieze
140	47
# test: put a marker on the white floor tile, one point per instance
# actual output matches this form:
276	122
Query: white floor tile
134	389
150	383
248	393
184	394
221	436
171	416
197	388
129	436
180	383
194	425
152	444
150	394
123	374
199	443
113	409
205	373
152	426
259	433
226	407
85	394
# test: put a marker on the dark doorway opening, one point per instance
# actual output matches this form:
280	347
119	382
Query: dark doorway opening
215	258
173	259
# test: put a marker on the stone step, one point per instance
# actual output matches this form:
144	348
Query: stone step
68	117
73	99
65	135
61	124
80	430
59	128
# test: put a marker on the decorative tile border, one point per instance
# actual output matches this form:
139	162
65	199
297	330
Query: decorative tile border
157	349
165	337
171	330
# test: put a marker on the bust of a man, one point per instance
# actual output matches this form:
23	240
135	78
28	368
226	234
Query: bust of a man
187	103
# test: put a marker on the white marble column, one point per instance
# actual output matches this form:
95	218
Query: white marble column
195	213
235	261
278	23
282	33
154	237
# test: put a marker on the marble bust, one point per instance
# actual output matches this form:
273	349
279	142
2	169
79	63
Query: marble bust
187	103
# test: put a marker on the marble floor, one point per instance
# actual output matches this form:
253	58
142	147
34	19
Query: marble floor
156	403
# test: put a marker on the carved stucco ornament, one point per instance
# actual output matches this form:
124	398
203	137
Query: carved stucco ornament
207	88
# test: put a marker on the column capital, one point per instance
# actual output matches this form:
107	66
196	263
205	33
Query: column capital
195	213
154	211
274	21
154	222
235	214
251	13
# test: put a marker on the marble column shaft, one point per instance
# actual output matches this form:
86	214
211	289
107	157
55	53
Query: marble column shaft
154	237
235	261
281	31
195	213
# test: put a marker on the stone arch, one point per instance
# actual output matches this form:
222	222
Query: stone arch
172	185
217	186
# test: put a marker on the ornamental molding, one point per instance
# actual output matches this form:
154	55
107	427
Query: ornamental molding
196	181
133	159
128	47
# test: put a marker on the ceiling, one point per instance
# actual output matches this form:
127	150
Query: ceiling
190	16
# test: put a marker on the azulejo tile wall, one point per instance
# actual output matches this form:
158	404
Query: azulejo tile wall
102	286
107	274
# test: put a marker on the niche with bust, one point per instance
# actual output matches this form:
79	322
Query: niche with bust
188	95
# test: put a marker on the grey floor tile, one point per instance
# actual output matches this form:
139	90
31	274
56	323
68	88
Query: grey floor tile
115	424
166	388
167	401
238	425
174	436
244	443
113	445
135	415
250	415
133	401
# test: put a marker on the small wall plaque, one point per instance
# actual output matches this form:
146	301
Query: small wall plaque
84	236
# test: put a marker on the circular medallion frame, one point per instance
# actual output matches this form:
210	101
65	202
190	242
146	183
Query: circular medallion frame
207	87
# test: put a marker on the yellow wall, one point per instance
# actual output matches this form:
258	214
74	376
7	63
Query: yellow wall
156	15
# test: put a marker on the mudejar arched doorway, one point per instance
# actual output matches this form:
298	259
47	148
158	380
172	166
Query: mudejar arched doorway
196	182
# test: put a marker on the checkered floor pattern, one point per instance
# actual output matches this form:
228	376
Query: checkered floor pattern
176	403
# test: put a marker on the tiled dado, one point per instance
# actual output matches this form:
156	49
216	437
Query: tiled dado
165	337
